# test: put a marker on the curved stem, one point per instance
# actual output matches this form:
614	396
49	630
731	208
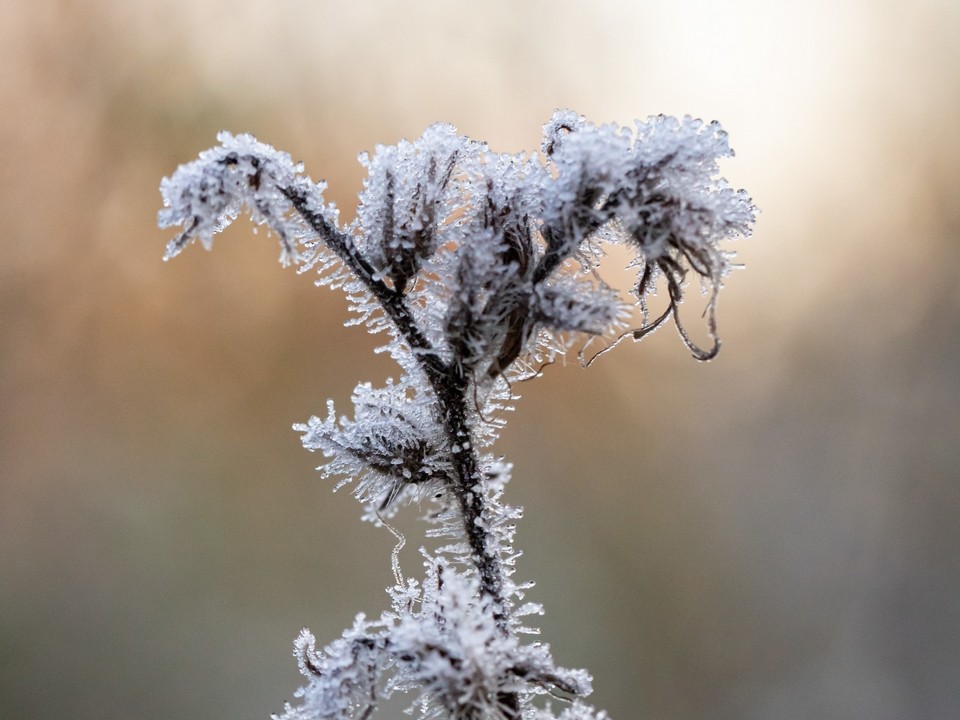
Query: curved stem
450	388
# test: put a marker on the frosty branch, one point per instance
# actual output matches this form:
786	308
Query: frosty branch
481	268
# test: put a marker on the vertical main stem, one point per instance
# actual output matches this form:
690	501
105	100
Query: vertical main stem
469	490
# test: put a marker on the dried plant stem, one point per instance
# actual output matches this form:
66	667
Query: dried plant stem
479	266
450	388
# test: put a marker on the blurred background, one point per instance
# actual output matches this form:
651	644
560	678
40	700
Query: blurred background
775	534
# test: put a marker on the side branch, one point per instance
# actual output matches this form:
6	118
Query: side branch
389	299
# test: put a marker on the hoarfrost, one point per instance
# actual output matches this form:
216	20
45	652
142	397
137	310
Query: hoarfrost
480	268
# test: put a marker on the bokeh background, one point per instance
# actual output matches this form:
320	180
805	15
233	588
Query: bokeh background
775	534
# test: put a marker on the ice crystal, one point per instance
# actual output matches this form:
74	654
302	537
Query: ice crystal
481	268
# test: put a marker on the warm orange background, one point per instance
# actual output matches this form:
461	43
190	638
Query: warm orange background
772	535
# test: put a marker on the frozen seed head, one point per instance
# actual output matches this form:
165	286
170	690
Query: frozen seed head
655	188
659	182
205	196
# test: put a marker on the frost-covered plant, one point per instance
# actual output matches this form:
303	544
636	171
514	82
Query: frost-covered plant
481	268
